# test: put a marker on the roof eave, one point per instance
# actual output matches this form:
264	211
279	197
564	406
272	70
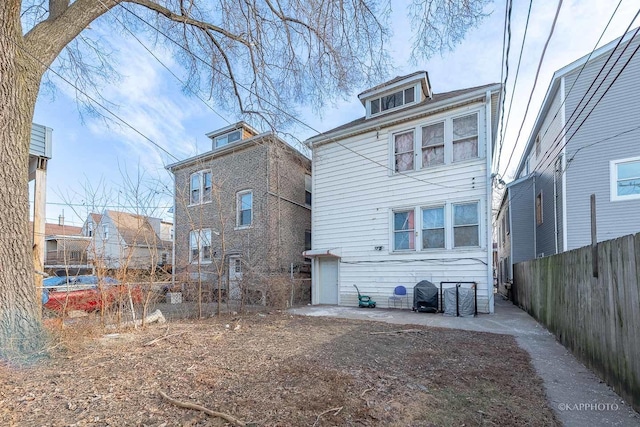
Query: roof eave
389	119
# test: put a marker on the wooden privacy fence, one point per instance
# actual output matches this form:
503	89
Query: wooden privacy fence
598	319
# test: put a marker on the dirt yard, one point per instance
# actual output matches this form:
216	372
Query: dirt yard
277	370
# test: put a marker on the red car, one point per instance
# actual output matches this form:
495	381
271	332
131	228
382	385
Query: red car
83	293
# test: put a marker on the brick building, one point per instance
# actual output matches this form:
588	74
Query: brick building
242	210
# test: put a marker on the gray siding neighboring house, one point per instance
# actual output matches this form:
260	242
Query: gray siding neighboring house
586	140
241	210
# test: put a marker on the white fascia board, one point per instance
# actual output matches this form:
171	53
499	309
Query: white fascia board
400	116
417	77
238	125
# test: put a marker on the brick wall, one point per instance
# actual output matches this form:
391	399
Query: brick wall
275	175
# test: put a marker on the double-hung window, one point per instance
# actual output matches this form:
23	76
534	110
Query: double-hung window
465	137
105	232
444	142
200	186
200	246
244	204
433	145
403	151
466	225
307	190
403	230
433	230
625	179
195	188
441	227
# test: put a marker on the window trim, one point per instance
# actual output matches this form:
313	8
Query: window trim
105	231
453	141
393	230
308	190
393	91
444	227
411	131
239	195
198	234
226	136
418	165
201	182
613	180
477	224
449	240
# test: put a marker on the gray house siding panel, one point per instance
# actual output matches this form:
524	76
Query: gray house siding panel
40	143
589	154
522	208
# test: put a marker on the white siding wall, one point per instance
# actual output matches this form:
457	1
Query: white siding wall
353	202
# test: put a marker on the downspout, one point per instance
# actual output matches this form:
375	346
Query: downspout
489	185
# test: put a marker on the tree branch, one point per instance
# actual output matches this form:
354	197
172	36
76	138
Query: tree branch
184	19
57	8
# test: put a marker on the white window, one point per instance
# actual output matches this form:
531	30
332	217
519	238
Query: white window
625	179
244	207
393	100
440	143
538	146
105	232
90	229
227	138
466	225
403	151
195	188
465	137
307	190
200	246
433	145
403	230
433	230
200	187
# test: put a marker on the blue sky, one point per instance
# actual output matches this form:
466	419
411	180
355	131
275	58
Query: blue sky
90	157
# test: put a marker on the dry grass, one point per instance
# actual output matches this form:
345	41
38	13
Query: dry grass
279	370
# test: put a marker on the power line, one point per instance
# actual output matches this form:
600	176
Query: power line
565	128
276	107
506	44
535	81
167	68
94	100
513	91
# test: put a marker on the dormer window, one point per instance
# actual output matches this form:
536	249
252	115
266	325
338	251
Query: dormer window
393	100
227	138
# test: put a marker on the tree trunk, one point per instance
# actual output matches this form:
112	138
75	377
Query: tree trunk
21	332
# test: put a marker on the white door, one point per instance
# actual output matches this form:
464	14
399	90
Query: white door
328	280
235	276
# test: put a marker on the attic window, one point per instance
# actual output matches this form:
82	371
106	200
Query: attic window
227	138
393	100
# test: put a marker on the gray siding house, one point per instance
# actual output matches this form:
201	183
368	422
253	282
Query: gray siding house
586	140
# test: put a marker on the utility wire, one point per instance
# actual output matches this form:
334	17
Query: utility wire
193	92
276	107
513	91
567	125
535	81
506	45
94	100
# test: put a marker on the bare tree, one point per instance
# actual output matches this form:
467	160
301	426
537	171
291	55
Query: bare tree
270	55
